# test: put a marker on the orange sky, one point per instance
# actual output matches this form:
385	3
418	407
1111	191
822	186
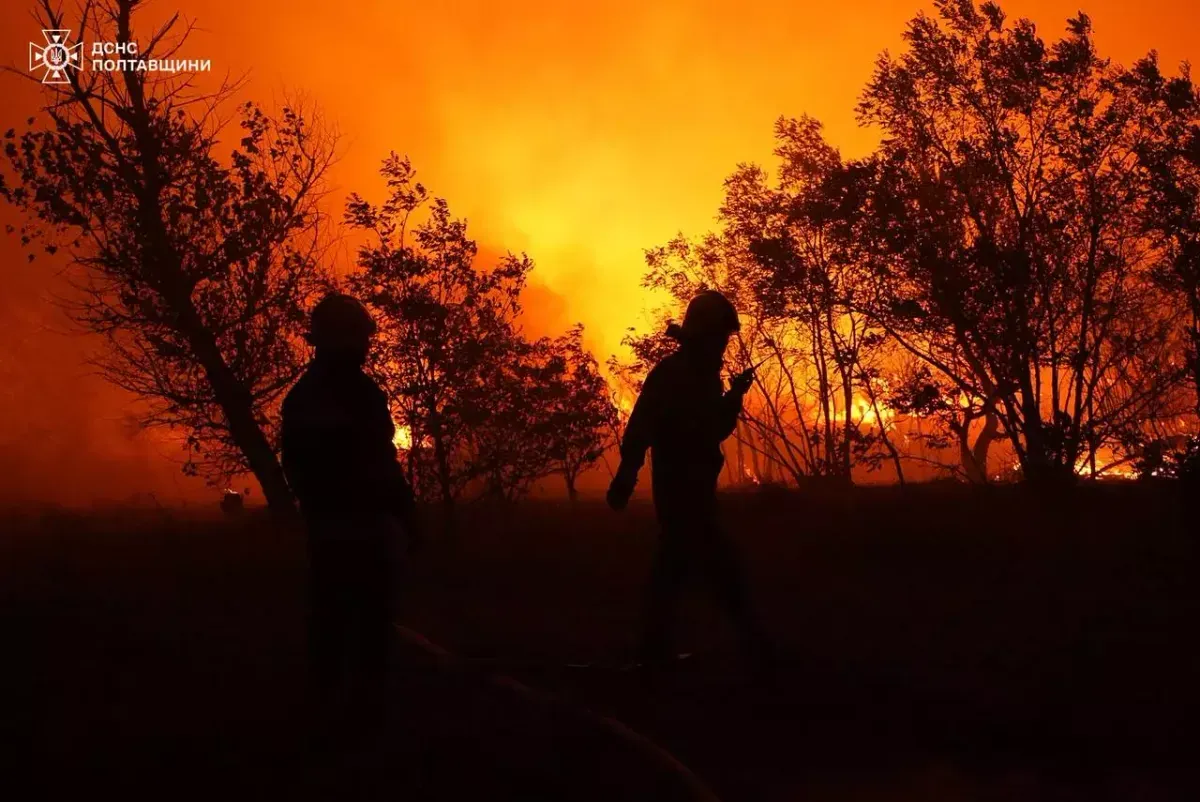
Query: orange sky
578	132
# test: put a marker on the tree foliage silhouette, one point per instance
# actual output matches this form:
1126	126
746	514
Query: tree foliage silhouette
784	256
489	412
1016	262
193	259
443	322
1172	160
578	416
1006	204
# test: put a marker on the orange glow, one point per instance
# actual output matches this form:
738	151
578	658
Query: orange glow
581	133
584	133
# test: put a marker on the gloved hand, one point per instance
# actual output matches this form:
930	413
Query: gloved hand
742	382
621	489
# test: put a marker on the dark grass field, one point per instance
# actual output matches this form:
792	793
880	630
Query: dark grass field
937	644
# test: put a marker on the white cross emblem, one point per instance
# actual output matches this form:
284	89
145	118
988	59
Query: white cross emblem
55	57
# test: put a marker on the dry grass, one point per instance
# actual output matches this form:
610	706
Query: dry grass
941	643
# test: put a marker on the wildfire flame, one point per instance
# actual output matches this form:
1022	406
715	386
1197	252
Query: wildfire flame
864	412
402	439
1105	470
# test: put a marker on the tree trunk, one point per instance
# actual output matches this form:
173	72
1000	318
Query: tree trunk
887	440
741	456
975	457
983	443
443	468
848	426
1194	356
231	395
755	465
237	405
1036	463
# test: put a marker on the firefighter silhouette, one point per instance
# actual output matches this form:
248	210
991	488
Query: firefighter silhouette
682	416
340	461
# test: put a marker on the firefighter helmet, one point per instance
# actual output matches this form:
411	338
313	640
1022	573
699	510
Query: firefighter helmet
710	313
339	319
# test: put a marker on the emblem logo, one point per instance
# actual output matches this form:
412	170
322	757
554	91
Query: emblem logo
56	57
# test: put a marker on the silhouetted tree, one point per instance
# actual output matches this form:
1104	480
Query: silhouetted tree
448	328
193	257
924	394
541	408
810	269
1172	159
578	418
1007	214
506	448
487	410
783	256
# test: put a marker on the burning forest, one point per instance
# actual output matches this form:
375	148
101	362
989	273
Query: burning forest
484	334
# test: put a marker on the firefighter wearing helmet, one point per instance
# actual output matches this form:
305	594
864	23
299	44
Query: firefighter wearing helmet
340	461
681	417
